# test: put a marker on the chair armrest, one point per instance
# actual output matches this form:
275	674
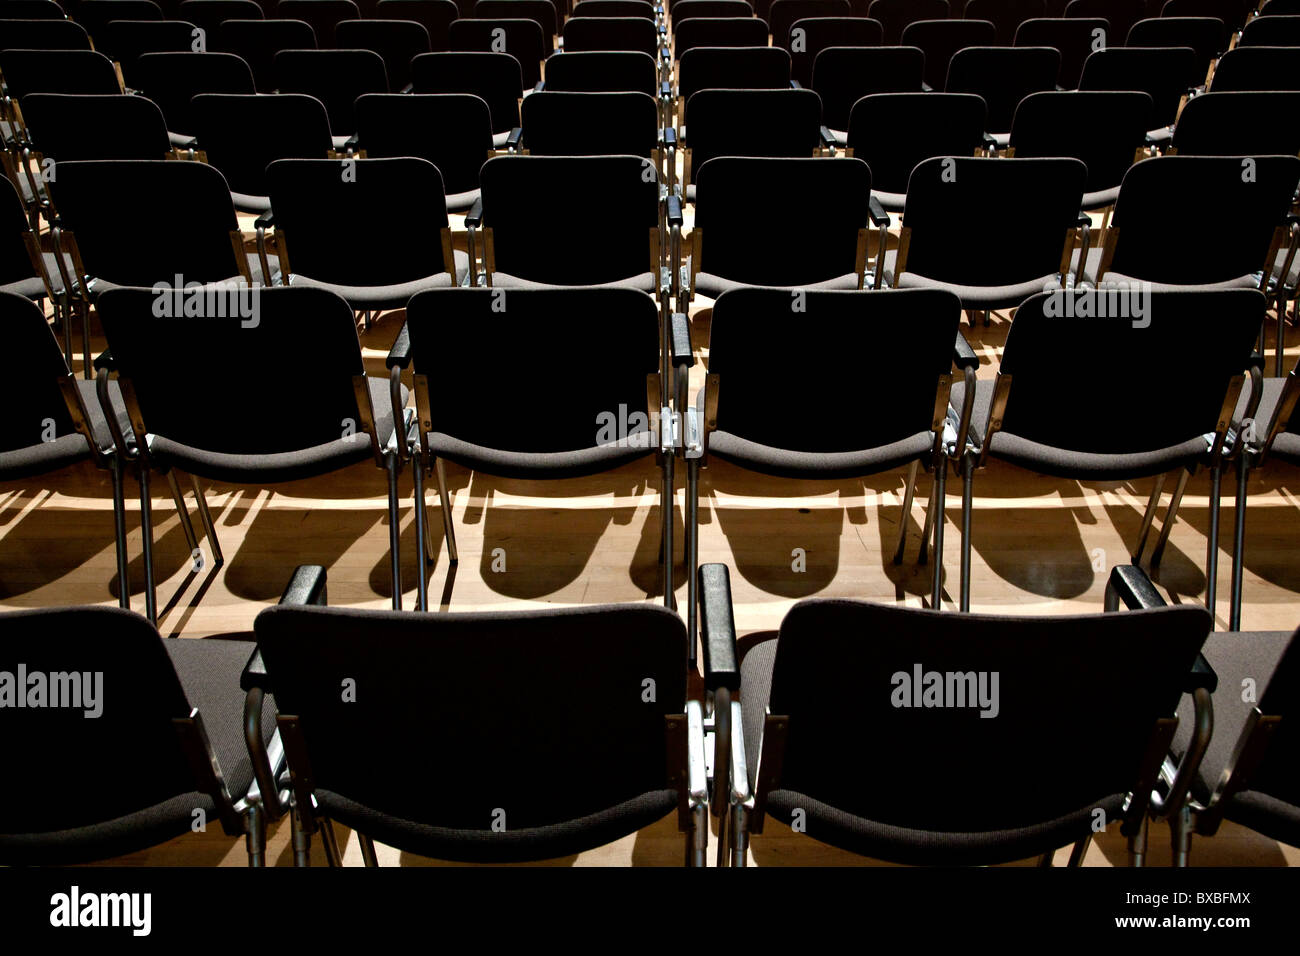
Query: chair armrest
666	89
541	85
104	362
669	136
963	356
679	342
717	629
515	138
796	85
876	212
674	211
399	356
254	673
990	141
306	587
474	218
1128	584
265	221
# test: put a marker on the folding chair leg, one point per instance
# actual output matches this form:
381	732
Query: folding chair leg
667	502
448	530
908	492
182	512
367	850
925	531
62	316
1137	846
421	536
1079	851
1212	546
301	840
394	530
1180	835
119	534
697	839
1148	517
967	492
255	834
209	528
146	535
1281	336
329	841
1170	515
1238	544
88	367
692	551
1046	859
738	836
936	583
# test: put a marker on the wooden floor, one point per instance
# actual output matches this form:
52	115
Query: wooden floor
1041	546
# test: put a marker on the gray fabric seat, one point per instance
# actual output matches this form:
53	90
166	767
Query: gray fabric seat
972	297
713	286
384	297
641	283
1287	445
519	464
1093	263
794	464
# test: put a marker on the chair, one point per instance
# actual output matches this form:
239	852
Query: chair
895	15
1271	31
1231	12
1164	74
749	123
451	130
435	16
562	707
258	41
522	39
207	15
692	9
493	77
94	14
610	33
41	34
782	14
242	135
1006	16
321	15
1206	35
324	216
541	12
919	125
164	751
125	41
1003	76
1074	39
171	80
1064	123
1120	14
843	75
282	423
733	68
1183	356
620	8
813	34
1238	124
933	675
336	78
940	39
1279	8
603	71
1257	69
861	426
591	124
45	71
718	31
397	41
34	10
1025	248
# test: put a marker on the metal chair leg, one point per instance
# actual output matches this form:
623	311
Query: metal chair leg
967	492
329	841
1170	516
924	554
394	530
119	533
908	492
367	850
209	527
1137	846
255	834
692	552
668	503
738	836
421	536
88	367
1079	851
1148	517
1238	543
1046	859
182	511
146	535
301	840
936	583
1212	546
448	529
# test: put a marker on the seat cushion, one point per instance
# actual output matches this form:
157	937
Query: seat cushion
708	284
367	298
462	202
519	464
972	296
819	465
641	283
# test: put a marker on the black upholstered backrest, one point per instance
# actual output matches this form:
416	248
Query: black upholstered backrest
894	15
520	38
542	12
99	201
1279	774
1271	31
258	41
1206	35
611	33
732	68
326	209
288	356
1163	73
495	77
1239	124
1249	194
1120	14
508	329
1257	68
1172	355
451	130
210	14
603	71
121	693
58	71
67	126
41	34
1063	123
719	31
1005	15
843	75
763	340
618	8
95	14
534	239
694	9
752	123
397	41
1076	700
335	77
459	716
15	261
814	237
590	124
435	16
321	15
34	10
30	386
1037	202
126	41
1231	12
242	135
782	14
1073	38
172	79
940	39
1003	76
921	125
813	34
